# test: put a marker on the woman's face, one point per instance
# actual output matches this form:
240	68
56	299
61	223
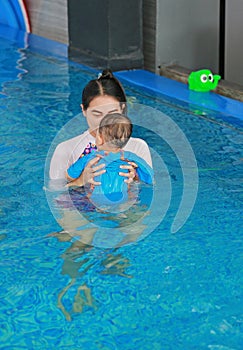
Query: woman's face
98	108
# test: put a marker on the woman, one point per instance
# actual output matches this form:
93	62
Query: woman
100	96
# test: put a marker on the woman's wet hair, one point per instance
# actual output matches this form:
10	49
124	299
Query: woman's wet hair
116	129
105	84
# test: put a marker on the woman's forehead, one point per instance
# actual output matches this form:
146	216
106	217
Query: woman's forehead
104	102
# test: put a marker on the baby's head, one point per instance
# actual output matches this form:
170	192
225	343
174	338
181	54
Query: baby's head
114	132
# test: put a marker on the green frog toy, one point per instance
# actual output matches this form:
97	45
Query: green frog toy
203	80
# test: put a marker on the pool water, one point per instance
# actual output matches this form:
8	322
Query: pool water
167	291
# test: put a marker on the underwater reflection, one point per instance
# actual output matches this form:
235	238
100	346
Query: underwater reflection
76	264
87	228
107	226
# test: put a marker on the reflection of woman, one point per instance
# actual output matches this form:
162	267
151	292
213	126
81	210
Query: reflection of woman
100	97
76	262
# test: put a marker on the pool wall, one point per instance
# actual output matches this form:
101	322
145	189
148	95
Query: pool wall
141	34
150	82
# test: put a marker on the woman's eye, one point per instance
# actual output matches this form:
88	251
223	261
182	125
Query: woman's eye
97	114
204	78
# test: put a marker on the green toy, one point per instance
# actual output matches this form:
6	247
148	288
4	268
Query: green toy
203	80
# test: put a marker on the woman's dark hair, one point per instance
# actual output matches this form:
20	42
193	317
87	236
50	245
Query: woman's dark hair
105	84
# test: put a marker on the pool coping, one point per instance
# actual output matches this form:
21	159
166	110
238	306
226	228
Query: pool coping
140	78
163	86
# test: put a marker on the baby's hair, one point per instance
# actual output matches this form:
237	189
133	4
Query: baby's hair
116	129
105	85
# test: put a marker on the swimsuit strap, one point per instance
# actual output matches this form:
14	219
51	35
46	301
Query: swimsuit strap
88	149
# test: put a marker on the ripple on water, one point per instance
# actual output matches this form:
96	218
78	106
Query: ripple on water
46	315
7	330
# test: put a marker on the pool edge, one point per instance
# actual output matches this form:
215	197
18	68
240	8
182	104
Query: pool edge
163	86
141	78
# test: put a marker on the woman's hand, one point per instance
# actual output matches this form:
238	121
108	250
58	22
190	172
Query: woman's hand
132	174
90	172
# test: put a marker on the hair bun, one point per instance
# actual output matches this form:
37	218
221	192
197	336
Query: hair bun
106	74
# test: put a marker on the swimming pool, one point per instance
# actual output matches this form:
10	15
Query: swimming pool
168	291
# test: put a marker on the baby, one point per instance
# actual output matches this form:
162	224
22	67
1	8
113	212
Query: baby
112	135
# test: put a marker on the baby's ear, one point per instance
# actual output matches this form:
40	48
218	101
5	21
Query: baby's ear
99	139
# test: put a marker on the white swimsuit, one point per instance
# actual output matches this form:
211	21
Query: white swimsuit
68	152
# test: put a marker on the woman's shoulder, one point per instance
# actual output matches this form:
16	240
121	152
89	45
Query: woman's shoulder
136	144
140	148
73	142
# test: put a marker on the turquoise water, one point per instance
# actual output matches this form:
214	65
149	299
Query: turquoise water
168	291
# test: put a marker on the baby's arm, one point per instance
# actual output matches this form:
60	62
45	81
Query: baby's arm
84	170
143	172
